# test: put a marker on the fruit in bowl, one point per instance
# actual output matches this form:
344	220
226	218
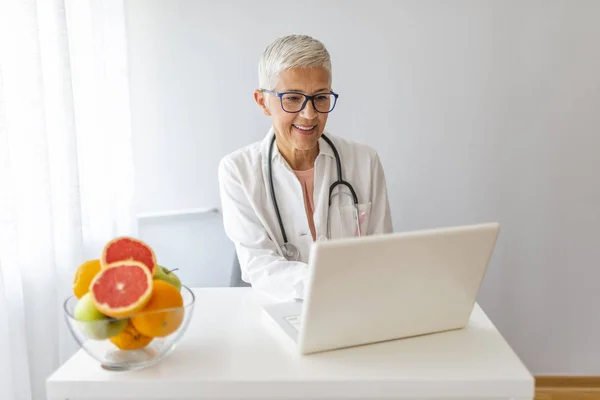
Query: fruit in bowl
86	312
127	311
168	276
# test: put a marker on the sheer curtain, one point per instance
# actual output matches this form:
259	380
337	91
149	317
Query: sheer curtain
66	171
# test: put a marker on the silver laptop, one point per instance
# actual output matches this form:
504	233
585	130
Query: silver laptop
386	287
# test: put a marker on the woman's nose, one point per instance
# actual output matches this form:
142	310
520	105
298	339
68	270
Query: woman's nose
308	111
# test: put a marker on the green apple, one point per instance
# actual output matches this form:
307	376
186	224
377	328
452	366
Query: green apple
93	323
168	276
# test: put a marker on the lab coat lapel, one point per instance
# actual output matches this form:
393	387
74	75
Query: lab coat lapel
325	175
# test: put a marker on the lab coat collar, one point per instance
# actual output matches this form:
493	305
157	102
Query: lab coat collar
324	147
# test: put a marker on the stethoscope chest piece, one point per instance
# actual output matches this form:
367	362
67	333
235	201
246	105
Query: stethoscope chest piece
291	252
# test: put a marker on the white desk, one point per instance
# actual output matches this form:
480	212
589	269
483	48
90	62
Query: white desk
229	353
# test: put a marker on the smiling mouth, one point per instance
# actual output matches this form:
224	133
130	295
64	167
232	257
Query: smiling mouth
305	129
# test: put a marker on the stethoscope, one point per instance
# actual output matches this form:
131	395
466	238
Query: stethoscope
290	251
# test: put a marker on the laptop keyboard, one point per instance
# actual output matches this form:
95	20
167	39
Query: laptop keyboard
294	320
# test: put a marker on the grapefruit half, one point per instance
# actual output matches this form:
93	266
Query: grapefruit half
125	248
121	288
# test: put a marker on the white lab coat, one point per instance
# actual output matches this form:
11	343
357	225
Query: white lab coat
250	220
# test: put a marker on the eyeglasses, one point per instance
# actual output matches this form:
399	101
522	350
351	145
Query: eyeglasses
293	102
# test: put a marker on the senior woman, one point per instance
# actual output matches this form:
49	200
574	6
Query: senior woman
300	183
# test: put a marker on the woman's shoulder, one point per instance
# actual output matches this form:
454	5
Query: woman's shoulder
360	151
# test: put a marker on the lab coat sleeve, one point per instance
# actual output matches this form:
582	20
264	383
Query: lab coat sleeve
261	264
380	220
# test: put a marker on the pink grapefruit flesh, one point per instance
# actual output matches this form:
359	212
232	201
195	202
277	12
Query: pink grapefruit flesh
121	288
126	248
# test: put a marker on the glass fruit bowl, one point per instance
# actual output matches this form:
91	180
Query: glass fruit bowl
117	344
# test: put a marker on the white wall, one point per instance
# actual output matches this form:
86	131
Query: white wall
480	111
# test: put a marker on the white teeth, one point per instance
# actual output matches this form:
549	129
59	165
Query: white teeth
304	128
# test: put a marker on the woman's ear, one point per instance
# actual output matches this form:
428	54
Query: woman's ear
261	100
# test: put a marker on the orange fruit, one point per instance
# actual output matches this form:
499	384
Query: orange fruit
126	248
131	339
83	277
121	289
150	321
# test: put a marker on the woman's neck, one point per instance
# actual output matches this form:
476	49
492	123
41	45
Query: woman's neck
299	160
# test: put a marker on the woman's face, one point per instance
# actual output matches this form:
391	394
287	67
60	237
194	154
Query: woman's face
299	131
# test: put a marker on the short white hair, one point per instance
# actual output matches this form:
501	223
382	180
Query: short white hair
289	52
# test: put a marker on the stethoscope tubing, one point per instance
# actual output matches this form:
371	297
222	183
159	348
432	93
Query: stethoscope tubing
339	181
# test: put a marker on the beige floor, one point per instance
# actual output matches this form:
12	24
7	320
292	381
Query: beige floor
567	388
